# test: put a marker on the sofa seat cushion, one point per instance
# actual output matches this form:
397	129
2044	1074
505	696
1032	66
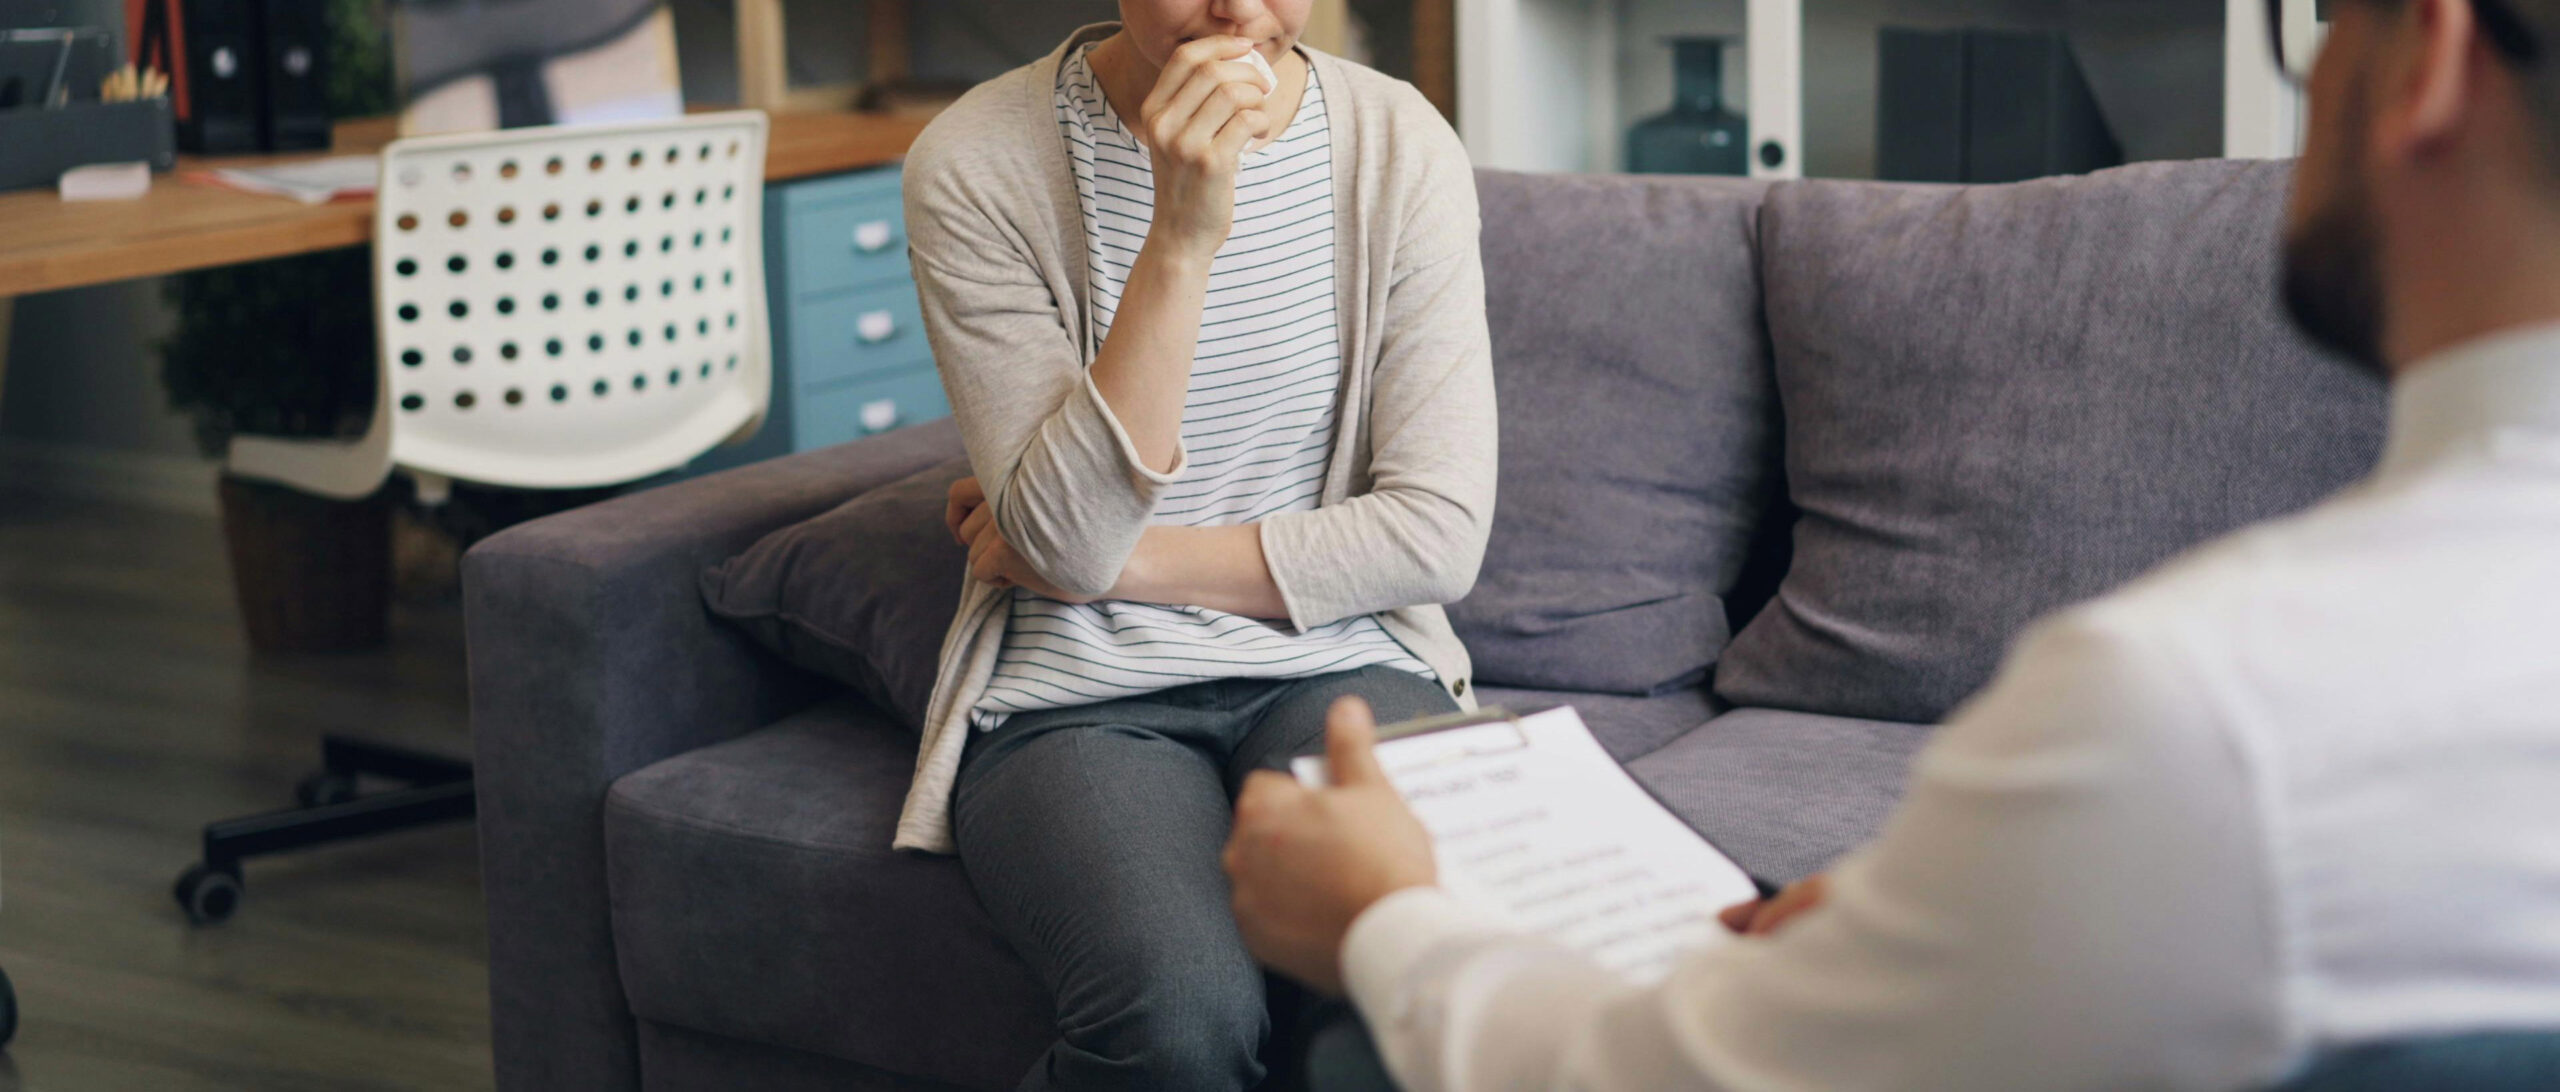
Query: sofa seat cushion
1626	727
2000	400
1783	794
1638	428
755	895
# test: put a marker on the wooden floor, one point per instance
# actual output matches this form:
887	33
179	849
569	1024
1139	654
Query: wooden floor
130	713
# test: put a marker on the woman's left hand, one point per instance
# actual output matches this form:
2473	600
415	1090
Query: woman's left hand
992	559
967	499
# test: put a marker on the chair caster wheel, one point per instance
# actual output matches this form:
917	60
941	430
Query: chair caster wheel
8	1010
208	895
325	788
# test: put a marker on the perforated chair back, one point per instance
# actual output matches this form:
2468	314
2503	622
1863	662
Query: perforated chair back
558	307
572	306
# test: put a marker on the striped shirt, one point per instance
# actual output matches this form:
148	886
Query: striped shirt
1258	425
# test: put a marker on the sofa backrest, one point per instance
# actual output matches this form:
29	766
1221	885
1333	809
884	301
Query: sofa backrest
1992	401
1999	400
1637	416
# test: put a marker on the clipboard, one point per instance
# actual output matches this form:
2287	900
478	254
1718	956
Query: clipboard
1516	740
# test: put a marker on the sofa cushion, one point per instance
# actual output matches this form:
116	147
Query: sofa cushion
1636	419
1783	794
1626	727
862	593
1999	400
674	1058
755	896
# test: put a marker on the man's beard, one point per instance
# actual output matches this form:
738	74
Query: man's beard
2332	279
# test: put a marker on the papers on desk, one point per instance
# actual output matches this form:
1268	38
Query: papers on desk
1531	819
311	181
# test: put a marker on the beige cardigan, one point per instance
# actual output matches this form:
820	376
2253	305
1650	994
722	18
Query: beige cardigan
997	242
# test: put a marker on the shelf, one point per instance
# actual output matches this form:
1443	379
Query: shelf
1554	84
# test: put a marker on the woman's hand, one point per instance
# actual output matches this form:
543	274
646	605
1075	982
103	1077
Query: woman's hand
967	497
1205	108
973	524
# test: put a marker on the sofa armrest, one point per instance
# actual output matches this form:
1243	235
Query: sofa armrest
591	655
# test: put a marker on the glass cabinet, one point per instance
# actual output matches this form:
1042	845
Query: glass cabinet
1919	89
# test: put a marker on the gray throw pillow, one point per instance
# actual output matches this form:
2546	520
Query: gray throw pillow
862	594
1637	418
1999	400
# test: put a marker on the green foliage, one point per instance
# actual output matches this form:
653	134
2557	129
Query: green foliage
286	347
281	348
359	76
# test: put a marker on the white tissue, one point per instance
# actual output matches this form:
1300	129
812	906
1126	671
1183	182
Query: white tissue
1262	68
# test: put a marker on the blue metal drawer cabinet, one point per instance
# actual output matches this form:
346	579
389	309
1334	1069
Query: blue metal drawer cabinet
849	353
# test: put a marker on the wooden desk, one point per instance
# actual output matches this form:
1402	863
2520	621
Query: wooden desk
46	243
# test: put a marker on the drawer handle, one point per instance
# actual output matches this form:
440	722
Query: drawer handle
880	416
873	236
875	327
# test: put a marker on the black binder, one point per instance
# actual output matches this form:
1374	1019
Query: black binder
225	74
295	114
1985	106
255	72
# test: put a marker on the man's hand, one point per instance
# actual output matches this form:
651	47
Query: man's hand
1306	862
973	524
1762	917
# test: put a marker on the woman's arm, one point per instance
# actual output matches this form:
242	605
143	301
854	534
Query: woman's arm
1418	534
1143	369
1074	458
1220	568
1195	122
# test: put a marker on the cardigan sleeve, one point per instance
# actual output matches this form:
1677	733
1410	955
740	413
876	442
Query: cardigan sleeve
1418	534
1068	488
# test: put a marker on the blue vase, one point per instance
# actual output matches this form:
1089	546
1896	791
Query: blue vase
1697	135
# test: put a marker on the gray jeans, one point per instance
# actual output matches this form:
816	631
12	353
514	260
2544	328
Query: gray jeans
1092	836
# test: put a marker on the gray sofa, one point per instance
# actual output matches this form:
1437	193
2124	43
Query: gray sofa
1784	470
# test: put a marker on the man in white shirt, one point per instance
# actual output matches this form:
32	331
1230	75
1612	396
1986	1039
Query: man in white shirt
2295	792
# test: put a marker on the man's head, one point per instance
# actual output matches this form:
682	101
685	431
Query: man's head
2433	150
1158	27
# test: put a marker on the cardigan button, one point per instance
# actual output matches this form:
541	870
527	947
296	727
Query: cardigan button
1461	689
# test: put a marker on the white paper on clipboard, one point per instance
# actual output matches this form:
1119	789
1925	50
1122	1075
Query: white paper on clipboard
1533	820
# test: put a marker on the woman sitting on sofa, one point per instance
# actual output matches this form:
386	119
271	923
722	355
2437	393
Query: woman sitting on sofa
1210	314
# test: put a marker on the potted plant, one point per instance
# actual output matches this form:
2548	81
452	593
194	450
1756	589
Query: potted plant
286	348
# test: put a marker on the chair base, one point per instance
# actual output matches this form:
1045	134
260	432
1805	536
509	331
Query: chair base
436	790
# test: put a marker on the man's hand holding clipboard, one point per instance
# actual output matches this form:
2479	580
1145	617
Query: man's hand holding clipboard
1308	860
1524	817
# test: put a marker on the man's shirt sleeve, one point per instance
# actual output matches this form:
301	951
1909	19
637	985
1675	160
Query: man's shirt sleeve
2074	894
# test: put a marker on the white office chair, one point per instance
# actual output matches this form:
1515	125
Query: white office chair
558	307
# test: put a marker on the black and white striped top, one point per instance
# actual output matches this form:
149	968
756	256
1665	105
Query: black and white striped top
1258	426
